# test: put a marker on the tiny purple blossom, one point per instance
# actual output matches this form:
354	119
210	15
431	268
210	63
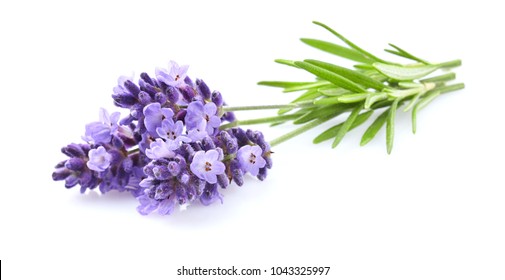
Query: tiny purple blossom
176	75
161	149
99	159
198	133
154	116
250	158
197	113
101	131
206	165
172	131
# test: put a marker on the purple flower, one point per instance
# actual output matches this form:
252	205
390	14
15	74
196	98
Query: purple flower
210	194
176	75
172	131
198	113
198	133
101	131
99	159
125	93
154	116
161	149
206	165
250	158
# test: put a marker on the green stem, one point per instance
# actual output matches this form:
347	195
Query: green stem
266	107
449	88
450	64
442	78
260	120
300	130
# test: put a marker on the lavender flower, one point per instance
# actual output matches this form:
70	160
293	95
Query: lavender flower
198	113
99	159
175	77
154	116
206	166
101	131
250	158
172	131
161	149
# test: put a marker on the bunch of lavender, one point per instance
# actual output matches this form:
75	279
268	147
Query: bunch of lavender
170	148
174	146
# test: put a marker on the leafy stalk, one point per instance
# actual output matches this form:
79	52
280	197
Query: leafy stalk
372	84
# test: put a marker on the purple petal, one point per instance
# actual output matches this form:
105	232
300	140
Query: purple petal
166	207
210	109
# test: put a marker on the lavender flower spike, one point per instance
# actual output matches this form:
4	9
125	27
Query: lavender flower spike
99	159
250	158
206	165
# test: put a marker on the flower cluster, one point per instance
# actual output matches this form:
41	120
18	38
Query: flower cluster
169	150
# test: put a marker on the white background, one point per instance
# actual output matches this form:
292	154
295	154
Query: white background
433	209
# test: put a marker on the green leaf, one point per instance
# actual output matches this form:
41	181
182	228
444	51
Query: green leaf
404	73
317	84
353	97
346	125
337	50
308	95
331	77
286	62
352	75
327	100
374	97
374	128
421	104
390	125
333	131
442	78
323	111
333	91
351	44
403	53
283	84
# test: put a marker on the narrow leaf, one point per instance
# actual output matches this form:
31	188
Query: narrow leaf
333	131
352	75
442	78
374	97
350	44
330	77
374	128
283	84
317	84
327	100
353	97
286	62
323	112
308	95
334	91
404	73
346	125
390	125
337	50
404	53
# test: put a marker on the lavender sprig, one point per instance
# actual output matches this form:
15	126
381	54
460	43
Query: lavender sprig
374	85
